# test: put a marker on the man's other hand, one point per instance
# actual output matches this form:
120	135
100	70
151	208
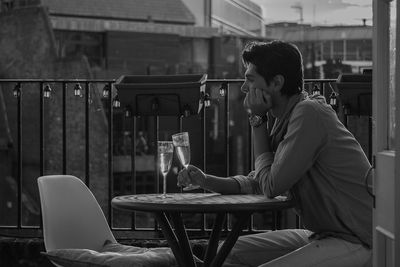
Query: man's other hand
191	175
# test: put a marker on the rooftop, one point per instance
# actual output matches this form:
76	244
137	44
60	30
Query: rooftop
171	11
294	32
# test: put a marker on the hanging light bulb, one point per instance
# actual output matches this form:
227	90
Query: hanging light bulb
106	91
332	99
346	109
186	112
17	90
78	90
223	89
116	102
207	101
128	111
315	90
47	91
154	104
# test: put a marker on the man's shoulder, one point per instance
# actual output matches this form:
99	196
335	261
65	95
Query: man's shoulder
308	105
313	104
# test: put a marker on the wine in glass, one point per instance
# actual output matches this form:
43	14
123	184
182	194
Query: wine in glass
165	153
182	146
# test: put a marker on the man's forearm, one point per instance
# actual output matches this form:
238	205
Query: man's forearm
261	140
223	185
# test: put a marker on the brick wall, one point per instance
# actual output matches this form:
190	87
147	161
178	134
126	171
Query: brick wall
28	51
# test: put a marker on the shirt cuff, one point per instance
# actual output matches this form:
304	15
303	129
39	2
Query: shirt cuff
244	184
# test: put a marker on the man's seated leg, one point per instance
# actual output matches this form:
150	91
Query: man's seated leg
256	249
327	252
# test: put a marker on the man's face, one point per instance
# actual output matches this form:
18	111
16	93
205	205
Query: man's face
259	95
253	80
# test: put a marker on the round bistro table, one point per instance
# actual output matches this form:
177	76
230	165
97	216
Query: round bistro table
167	210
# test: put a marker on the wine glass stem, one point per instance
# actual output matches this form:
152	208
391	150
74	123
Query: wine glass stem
164	185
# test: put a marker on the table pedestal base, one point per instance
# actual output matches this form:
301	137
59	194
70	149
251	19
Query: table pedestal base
179	241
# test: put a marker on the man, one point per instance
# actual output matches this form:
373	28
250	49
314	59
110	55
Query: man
309	155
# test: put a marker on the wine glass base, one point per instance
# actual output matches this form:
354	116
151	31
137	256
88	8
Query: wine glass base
164	196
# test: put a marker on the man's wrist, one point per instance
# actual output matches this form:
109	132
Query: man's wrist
257	120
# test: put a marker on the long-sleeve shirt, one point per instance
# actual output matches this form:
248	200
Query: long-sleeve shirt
323	167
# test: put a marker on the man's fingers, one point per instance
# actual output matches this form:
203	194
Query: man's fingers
184	177
181	179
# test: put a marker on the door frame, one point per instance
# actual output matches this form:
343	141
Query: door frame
386	220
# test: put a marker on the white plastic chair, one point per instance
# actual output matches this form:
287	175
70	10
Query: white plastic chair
72	217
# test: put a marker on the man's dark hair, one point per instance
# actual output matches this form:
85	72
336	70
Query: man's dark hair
277	57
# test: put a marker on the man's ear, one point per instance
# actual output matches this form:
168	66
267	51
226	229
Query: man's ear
278	81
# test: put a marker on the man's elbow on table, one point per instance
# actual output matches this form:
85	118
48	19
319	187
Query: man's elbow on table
270	189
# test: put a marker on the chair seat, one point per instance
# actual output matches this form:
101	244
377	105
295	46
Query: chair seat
76	232
113	255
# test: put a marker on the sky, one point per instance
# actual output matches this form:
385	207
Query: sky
318	12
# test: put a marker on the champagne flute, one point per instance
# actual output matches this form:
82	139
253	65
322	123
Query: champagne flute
165	153
182	146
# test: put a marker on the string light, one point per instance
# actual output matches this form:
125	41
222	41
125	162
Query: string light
106	91
207	101
128	111
332	99
316	90
17	90
78	90
116	102
346	109
47	91
154	104
223	89
186	111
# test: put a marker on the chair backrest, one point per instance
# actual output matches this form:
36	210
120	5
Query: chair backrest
72	217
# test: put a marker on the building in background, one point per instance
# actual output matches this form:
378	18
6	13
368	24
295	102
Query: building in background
237	17
130	37
328	50
154	37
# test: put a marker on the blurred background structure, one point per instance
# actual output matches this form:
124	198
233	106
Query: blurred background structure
103	40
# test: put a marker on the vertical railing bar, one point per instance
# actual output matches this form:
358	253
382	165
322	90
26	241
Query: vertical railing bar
251	221
203	145
157	173
41	130
133	152
322	86
227	114
64	127
110	154
180	125
133	170
157	134
41	135
19	168
87	145
251	148
203	137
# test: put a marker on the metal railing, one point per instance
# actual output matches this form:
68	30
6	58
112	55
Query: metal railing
21	97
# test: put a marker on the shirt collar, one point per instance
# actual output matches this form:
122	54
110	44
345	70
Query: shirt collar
293	100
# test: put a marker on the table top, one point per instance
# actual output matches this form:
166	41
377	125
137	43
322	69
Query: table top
200	202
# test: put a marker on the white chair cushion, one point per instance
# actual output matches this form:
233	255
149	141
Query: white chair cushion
113	255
